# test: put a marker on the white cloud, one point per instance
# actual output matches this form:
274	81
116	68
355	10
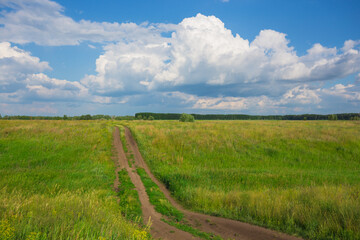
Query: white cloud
350	92
202	54
41	87
132	70
231	103
202	65
43	22
301	98
22	80
302	95
15	65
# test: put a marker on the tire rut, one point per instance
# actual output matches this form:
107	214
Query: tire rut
159	229
226	228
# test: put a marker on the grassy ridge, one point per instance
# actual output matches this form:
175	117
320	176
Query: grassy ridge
163	206
297	177
55	182
158	199
129	198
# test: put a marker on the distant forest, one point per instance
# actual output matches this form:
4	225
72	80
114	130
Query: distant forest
65	117
176	116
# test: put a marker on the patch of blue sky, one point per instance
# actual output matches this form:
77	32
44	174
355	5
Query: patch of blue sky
67	62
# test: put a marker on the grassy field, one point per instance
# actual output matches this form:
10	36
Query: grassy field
299	177
163	206
56	182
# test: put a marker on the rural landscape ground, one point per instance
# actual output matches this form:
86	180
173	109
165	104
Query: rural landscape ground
174	180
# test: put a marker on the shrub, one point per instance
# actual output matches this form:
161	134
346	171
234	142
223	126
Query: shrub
333	117
186	118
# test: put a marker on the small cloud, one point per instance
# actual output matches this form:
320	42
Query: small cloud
91	46
224	1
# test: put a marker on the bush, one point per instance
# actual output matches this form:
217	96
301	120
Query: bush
333	117
186	118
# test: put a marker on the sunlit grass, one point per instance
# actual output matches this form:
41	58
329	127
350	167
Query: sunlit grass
158	199
129	198
299	177
56	182
173	216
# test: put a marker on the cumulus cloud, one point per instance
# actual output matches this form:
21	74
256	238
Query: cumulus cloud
43	88
22	80
202	65
43	22
203	57
301	94
15	65
351	92
132	71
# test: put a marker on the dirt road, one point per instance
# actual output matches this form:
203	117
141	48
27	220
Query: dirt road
226	228
159	229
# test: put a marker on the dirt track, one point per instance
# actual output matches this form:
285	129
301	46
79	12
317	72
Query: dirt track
159	229
226	228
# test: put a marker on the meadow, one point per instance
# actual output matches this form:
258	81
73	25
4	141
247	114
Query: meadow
56	182
299	177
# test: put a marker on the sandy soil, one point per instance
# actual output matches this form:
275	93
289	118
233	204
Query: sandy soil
226	228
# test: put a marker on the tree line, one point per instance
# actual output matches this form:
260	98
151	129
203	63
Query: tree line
177	116
65	117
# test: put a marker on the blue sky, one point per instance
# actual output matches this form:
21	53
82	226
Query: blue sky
204	56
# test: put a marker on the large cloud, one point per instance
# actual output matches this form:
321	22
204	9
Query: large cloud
201	66
202	57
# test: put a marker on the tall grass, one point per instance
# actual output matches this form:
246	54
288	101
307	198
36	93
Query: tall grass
300	177
129	198
162	205
56	182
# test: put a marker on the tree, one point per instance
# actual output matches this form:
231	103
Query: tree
186	118
333	117
86	117
151	118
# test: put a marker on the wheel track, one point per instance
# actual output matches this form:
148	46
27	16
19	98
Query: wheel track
159	229
226	228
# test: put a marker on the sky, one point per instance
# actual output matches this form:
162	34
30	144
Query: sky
255	57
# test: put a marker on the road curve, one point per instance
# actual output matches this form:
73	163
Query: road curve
226	228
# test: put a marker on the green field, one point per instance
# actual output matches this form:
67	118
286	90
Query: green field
300	177
56	182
